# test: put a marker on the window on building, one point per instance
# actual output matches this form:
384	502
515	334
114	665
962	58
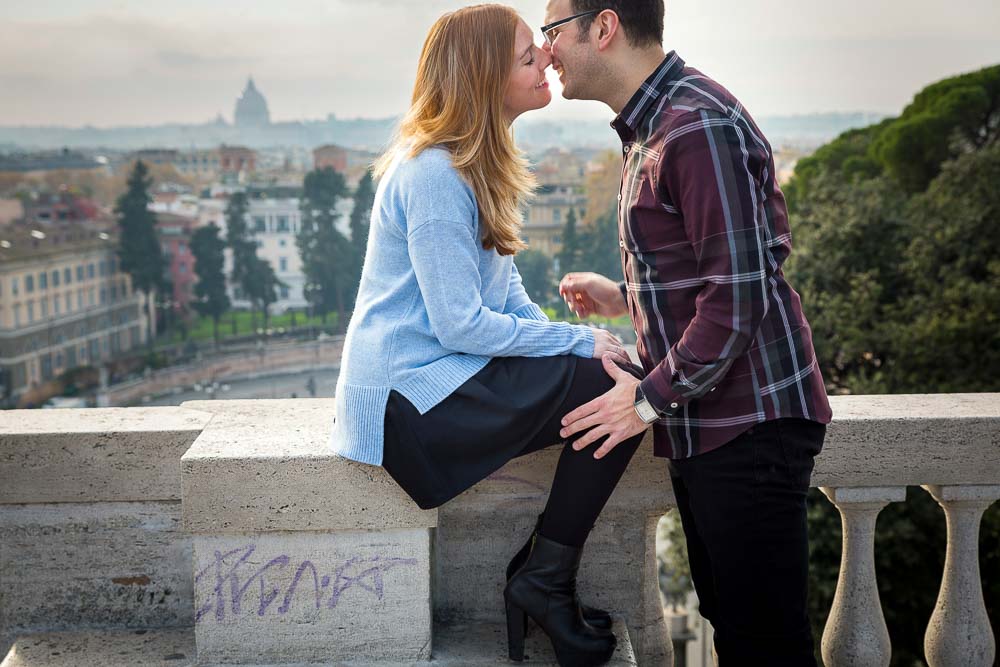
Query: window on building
282	264
556	215
31	312
114	293
79	299
90	270
102	269
67	275
44	303
14	286
55	279
282	243
282	223
284	292
69	302
17	315
79	273
43	281
55	305
259	224
104	296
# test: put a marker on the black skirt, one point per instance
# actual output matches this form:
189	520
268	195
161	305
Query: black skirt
509	408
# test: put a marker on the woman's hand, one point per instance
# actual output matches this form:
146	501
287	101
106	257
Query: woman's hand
607	342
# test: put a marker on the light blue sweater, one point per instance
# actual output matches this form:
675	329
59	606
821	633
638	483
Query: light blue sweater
433	306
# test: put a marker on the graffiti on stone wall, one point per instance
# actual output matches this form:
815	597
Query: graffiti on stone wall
231	574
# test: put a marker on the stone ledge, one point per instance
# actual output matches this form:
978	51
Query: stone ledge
459	645
104	648
909	440
266	465
94	454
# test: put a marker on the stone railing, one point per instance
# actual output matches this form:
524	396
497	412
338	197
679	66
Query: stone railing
233	518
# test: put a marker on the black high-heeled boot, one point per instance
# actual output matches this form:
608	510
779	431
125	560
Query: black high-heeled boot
544	588
598	618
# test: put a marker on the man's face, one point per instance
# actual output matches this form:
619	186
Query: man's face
574	60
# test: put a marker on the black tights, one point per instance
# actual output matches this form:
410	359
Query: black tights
582	484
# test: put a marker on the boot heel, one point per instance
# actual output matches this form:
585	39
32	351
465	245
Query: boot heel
516	621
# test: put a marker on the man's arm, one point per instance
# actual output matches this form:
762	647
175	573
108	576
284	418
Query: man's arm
712	169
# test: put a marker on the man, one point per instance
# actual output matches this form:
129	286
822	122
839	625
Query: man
732	389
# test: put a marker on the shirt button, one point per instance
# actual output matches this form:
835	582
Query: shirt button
619	196
621	243
627	148
673	405
714	388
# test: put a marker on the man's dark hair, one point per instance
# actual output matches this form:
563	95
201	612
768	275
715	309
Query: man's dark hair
641	19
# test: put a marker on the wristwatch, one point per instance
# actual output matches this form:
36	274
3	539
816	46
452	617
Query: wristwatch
647	413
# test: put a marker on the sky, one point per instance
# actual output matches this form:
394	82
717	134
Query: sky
115	62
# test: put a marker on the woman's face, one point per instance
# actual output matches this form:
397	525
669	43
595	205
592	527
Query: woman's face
527	88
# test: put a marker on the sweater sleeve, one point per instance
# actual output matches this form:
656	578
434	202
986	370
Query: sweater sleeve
451	291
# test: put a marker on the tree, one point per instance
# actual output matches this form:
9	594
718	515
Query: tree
326	253
210	290
364	198
535	268
240	241
571	254
262	286
600	251
139	252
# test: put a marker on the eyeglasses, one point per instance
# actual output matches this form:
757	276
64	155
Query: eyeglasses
547	30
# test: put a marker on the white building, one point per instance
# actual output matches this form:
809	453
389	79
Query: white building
275	223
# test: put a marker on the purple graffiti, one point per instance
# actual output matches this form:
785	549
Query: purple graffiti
233	580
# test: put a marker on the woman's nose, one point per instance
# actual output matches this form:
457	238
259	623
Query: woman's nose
545	59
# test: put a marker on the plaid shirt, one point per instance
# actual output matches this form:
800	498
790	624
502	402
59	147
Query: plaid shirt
704	231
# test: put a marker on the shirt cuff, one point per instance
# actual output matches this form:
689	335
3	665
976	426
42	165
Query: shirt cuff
665	406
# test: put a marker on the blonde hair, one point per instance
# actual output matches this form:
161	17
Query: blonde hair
458	102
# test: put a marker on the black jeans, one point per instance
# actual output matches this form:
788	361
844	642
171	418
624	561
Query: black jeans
743	510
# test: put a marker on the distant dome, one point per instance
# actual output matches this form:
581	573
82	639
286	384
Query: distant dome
251	108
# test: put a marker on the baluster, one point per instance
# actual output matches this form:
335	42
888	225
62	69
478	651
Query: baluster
855	634
959	631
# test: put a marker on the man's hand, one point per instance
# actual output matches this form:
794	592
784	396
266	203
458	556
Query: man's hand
612	414
589	294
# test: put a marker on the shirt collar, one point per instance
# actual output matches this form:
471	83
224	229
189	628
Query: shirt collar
626	122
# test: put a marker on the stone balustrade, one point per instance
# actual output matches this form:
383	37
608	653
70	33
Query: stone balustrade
232	517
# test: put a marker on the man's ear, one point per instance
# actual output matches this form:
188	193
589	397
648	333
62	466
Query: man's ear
608	27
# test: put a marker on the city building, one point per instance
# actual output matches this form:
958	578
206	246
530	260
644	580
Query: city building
330	156
174	232
561	177
236	161
198	164
64	302
274	219
251	108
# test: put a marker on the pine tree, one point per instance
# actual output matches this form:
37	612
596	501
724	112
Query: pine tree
570	255
326	253
364	198
210	290
240	240
139	252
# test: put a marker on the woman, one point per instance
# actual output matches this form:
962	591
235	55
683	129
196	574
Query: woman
449	370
